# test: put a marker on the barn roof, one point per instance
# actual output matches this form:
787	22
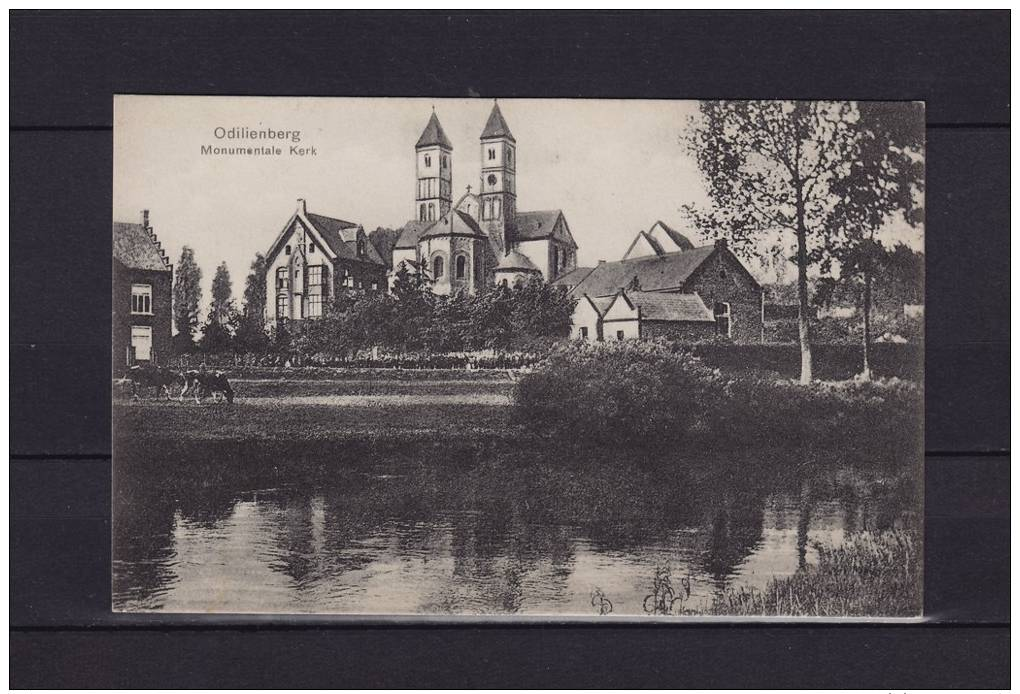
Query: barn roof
433	135
136	247
572	278
667	306
652	272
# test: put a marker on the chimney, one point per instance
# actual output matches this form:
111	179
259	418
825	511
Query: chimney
720	243
301	206
145	219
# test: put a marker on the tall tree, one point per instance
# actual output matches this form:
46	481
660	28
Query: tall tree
216	333
222	296
250	335
187	297
255	290
885	180
768	167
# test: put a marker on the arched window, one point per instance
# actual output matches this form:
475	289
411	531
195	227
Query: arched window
428	162
421	213
446	162
432	211
461	268
361	248
437	267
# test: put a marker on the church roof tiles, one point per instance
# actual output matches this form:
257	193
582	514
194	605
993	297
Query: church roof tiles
496	126
433	135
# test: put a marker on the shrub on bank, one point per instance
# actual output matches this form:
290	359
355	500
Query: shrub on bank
654	395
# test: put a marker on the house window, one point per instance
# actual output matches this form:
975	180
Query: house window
282	278
375	286
314	305
361	248
287	249
314	275
311	246
141	342
723	323
619	335
584	332
141	298
428	162
509	156
461	267
437	267
281	306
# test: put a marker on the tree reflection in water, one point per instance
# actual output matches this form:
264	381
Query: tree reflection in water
349	528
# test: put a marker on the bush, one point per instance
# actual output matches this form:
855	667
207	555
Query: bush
656	396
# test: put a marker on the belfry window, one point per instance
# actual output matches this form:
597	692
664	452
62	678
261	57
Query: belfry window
432	211
428	162
421	213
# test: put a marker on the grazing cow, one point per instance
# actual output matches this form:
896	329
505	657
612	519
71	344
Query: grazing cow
152	377
213	383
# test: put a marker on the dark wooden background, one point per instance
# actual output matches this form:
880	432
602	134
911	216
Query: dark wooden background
65	69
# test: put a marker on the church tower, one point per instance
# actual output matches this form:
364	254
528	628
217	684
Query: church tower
498	190
434	169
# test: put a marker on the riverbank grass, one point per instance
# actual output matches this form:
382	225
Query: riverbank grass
867	575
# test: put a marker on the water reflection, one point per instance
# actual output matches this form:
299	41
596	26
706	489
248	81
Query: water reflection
395	536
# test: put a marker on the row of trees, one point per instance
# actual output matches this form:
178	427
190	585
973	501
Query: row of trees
226	327
813	182
411	318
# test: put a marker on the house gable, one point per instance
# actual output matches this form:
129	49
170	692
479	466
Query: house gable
643	246
622	309
723	260
669	239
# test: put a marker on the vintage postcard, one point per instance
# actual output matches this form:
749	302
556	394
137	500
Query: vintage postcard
511	357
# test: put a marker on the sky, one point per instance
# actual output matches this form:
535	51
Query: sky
613	166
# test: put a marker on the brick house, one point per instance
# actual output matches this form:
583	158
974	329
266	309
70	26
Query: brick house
315	259
710	277
142	291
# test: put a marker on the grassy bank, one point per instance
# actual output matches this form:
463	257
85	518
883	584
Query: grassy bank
869	574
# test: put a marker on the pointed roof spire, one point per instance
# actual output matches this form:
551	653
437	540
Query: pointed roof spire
496	125
433	134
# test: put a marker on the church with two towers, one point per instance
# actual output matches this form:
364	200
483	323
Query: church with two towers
482	238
